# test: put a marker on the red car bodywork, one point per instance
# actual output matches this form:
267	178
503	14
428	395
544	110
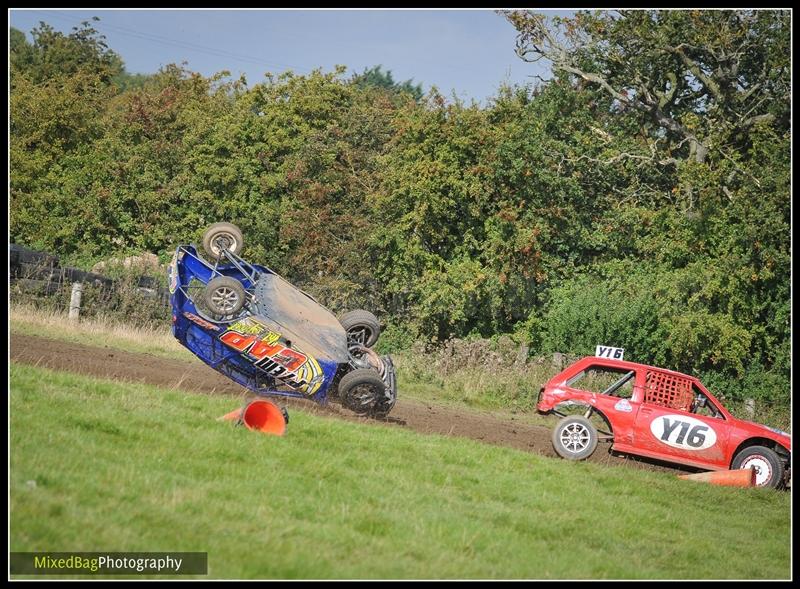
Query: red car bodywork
657	422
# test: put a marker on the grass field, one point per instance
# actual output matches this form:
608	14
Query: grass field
100	465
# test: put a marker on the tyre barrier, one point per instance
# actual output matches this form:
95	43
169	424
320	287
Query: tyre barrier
40	273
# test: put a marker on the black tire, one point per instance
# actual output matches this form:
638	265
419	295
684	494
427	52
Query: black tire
224	296
222	235
574	438
383	407
362	327
363	392
18	254
768	465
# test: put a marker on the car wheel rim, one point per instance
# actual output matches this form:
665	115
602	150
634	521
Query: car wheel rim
225	299
360	335
762	467
223	241
575	437
362	395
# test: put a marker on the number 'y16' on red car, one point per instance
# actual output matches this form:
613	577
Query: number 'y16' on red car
659	414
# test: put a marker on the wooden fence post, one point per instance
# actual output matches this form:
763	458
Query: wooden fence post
522	354
75	301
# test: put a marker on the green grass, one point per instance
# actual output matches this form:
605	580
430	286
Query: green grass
102	466
471	389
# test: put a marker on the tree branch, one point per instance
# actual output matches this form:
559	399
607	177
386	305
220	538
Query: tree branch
694	67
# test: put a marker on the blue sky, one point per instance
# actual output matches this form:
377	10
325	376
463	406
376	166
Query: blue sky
470	52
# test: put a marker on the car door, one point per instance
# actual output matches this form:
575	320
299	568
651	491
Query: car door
666	428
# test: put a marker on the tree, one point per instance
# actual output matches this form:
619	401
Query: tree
700	81
377	78
686	157
53	54
60	85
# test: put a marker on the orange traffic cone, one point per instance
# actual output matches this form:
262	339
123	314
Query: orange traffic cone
744	477
265	417
233	415
259	415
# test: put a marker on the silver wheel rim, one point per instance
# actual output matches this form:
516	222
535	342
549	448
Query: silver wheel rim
224	298
762	467
223	241
575	437
360	334
363	395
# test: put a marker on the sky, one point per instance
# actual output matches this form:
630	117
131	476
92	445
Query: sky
466	52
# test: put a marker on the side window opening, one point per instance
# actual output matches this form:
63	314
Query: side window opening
604	380
702	405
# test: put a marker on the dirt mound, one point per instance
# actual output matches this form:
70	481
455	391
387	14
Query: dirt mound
422	417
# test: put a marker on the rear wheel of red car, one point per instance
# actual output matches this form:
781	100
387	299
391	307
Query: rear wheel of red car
767	464
224	296
221	236
575	438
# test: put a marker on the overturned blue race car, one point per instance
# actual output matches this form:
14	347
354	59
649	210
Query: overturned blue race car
256	328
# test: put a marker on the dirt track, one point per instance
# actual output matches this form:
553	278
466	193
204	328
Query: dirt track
426	418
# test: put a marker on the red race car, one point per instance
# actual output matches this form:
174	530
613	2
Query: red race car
658	414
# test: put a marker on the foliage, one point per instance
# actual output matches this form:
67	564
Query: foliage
701	78
377	78
55	55
640	196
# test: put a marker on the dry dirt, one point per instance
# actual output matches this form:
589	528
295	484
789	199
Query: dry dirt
196	377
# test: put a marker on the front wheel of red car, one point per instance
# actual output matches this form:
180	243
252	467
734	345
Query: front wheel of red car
575	438
766	462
